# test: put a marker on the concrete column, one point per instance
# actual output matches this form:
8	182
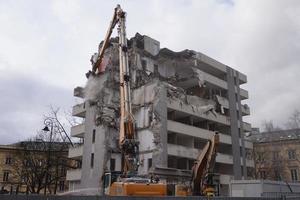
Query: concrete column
234	129
160	157
241	127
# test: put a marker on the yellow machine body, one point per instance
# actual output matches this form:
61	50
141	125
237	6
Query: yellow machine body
138	189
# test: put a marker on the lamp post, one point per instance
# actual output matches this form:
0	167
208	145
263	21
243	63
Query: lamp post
53	126
48	122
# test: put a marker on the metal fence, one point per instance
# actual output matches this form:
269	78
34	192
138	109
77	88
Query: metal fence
281	195
39	197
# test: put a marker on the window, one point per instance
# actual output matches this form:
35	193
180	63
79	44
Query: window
294	174
149	163
61	185
112	164
27	163
92	160
5	176
62	170
8	160
94	136
40	162
260	157
275	155
23	178
262	174
292	154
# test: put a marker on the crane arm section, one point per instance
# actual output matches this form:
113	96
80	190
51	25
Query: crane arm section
127	140
104	46
204	163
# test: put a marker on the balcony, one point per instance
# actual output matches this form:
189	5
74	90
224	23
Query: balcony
244	94
192	153
213	64
209	79
79	110
76	152
192	110
186	152
215	81
182	151
247	127
78	131
185	129
73	175
245	110
243	78
223	101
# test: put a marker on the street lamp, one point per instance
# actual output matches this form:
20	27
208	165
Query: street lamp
48	122
46	129
53	126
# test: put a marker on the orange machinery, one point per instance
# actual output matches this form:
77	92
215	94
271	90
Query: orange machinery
204	180
203	176
125	183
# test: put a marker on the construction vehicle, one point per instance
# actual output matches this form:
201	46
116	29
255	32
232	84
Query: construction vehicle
127	182
204	182
203	176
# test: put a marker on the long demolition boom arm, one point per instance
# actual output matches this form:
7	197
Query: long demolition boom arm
127	140
204	163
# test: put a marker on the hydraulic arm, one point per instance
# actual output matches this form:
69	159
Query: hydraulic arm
202	172
127	140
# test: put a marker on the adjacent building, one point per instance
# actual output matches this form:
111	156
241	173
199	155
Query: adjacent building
277	155
24	167
179	100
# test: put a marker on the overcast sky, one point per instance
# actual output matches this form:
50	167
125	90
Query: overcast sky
45	47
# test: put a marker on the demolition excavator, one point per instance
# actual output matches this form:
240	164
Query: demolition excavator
204	180
127	182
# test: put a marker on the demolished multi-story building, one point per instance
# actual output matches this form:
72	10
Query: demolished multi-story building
179	99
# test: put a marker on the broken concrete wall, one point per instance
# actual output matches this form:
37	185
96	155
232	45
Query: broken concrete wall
156	78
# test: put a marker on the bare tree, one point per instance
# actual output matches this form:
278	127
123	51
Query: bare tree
41	162
268	126
294	120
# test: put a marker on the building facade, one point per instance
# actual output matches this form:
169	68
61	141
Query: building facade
179	100
277	155
22	169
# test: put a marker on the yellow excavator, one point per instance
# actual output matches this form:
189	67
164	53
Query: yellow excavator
127	182
203	176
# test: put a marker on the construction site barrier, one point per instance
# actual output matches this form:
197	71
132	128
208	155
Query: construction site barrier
40	197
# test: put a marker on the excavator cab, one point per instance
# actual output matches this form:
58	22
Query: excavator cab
108	179
211	184
106	183
114	184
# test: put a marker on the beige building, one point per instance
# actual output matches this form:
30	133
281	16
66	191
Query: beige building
276	155
16	165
